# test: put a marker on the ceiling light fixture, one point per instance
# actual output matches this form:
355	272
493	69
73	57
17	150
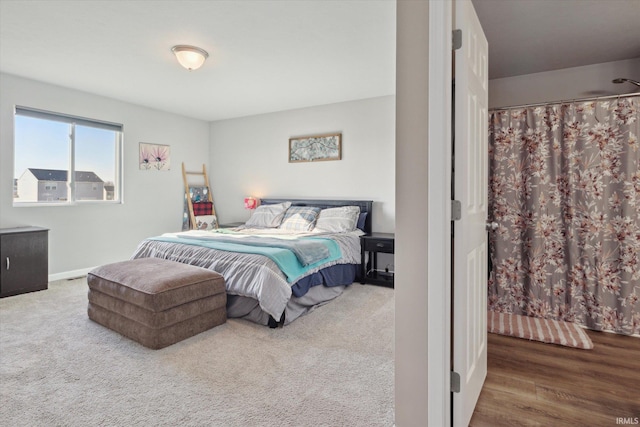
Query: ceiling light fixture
190	57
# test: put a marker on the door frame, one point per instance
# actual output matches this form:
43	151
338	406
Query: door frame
439	212
423	327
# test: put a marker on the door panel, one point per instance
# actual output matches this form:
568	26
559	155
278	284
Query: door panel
470	238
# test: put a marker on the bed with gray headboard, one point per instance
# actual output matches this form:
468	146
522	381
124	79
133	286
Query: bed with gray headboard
257	288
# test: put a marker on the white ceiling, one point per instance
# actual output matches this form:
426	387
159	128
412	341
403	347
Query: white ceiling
264	55
531	36
268	55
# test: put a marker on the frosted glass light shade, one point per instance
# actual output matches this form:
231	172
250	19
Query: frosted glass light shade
190	57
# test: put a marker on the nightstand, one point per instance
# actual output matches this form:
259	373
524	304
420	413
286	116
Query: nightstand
375	243
24	253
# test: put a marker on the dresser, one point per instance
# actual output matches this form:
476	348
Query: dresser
24	260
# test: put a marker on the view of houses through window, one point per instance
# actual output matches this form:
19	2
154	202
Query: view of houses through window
64	159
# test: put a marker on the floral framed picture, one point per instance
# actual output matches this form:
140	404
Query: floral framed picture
315	148
155	157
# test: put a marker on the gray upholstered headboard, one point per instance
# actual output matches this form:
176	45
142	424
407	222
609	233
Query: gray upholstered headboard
365	206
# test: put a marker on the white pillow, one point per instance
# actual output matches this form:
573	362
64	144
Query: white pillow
268	216
206	222
338	220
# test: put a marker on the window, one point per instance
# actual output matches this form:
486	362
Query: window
62	159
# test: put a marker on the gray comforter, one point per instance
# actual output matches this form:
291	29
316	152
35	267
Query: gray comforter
249	275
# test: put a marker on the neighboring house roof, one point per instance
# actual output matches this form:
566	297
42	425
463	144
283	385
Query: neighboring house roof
61	175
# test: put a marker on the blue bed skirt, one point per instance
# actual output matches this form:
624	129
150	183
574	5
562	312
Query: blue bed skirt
336	275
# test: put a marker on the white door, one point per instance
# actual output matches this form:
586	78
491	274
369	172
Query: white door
470	237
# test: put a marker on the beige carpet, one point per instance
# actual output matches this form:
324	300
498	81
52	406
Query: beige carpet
333	367
533	328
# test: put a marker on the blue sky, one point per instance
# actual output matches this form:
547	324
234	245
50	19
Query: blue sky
44	144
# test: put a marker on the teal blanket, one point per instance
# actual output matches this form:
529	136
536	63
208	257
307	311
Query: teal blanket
307	250
285	258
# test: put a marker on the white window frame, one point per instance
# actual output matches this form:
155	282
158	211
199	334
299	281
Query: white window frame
73	121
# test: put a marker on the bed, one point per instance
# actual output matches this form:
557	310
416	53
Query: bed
275	275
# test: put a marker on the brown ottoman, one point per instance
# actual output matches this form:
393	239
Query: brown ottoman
156	302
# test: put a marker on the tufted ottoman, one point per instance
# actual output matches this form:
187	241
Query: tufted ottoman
156	302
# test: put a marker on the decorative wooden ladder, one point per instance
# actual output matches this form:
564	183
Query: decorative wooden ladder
192	218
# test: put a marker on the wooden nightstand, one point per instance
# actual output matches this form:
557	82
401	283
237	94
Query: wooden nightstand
375	243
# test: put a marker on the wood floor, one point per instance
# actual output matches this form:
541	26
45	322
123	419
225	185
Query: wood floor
535	384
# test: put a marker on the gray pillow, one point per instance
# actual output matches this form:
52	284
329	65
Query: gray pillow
338	220
268	216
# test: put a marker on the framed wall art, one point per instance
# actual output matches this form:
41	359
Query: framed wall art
315	148
155	157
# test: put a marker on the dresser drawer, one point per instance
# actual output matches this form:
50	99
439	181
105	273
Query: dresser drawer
379	245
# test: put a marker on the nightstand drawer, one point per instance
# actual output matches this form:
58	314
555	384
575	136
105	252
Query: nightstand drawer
384	246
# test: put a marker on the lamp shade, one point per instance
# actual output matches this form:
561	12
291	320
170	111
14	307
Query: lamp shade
250	202
190	57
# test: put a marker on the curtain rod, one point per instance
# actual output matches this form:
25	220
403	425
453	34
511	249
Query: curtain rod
540	104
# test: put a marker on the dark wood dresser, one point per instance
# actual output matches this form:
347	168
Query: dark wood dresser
24	260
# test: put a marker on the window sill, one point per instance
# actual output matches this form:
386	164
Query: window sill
76	203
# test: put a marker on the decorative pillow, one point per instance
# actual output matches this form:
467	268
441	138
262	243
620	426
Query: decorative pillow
338	220
267	216
202	208
300	218
362	219
206	222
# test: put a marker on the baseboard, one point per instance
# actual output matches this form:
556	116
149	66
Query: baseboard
69	274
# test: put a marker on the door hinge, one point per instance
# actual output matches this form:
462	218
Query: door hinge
455	382
457	39
456	210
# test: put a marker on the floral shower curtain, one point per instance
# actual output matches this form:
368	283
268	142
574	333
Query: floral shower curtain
565	191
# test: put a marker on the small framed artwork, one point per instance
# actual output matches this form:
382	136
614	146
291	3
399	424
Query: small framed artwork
315	148
155	157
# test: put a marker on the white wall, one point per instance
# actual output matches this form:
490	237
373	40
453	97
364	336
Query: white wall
88	235
249	156
565	84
